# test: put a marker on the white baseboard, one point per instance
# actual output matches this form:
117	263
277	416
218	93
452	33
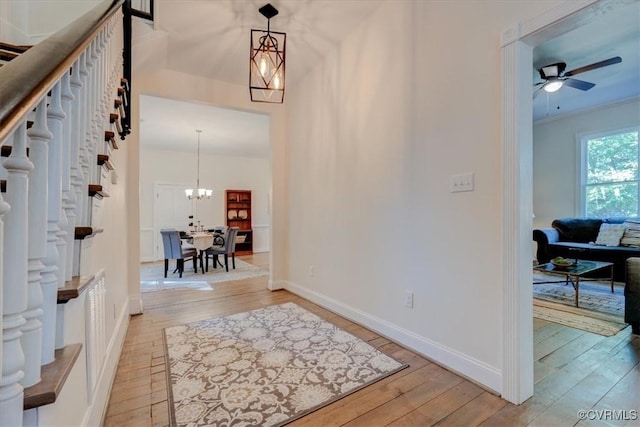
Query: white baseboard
274	285
477	371
96	411
135	304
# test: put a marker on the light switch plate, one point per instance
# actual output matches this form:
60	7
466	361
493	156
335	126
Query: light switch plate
462	182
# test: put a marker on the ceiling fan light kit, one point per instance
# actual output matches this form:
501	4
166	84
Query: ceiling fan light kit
267	61
553	85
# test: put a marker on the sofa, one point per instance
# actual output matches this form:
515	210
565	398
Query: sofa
632	295
575	237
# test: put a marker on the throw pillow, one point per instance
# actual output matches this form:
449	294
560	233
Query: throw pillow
631	236
610	234
581	230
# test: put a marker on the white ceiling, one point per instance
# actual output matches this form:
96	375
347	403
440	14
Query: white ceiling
168	124
210	38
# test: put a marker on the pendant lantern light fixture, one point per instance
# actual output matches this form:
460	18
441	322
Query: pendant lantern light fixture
267	61
198	193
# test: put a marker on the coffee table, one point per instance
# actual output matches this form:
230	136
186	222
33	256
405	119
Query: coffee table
578	270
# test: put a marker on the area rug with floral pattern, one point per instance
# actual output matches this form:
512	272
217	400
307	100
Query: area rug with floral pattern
265	367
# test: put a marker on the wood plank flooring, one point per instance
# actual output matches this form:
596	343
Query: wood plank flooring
574	370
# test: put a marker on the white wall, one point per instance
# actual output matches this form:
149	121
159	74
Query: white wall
217	172
14	21
31	21
411	98
555	157
50	16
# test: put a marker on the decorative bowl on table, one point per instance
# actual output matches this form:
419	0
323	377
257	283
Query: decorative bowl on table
562	263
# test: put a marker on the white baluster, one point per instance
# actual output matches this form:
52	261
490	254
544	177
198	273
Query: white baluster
19	167
69	166
53	276
11	392
89	141
84	160
42	248
96	117
76	170
57	216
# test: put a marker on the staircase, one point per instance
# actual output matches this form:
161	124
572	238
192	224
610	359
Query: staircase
64	112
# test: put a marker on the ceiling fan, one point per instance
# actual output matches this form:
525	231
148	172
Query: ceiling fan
554	76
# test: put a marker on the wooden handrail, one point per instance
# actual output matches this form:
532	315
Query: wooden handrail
27	78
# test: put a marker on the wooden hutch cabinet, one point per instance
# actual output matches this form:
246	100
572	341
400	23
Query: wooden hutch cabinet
238	211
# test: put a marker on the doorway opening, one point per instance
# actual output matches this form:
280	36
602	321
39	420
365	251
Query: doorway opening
234	153
517	47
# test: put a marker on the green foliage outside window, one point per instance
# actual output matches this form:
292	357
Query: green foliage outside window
612	176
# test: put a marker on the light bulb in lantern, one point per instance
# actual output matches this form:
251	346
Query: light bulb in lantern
263	65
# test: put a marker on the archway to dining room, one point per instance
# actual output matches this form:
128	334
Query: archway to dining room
191	145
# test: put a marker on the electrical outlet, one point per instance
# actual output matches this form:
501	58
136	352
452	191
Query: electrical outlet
408	299
312	271
462	182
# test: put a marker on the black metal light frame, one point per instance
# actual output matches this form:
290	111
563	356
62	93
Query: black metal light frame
267	46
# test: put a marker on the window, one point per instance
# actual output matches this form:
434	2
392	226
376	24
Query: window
609	178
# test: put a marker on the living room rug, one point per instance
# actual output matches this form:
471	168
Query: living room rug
600	311
152	276
265	367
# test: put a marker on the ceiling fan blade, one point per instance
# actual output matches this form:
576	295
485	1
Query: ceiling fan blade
537	92
578	84
606	62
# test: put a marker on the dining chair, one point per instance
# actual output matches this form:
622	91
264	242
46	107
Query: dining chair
220	229
173	249
226	249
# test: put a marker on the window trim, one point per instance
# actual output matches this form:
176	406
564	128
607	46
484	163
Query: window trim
581	139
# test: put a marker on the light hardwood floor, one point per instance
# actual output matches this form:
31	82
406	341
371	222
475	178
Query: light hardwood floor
574	370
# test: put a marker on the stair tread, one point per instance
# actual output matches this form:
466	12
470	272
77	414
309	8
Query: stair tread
14	47
110	137
73	288
96	190
53	377
103	160
86	232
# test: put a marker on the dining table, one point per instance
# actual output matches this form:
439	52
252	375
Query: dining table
203	240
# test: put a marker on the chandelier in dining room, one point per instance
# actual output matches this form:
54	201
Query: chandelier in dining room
198	192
